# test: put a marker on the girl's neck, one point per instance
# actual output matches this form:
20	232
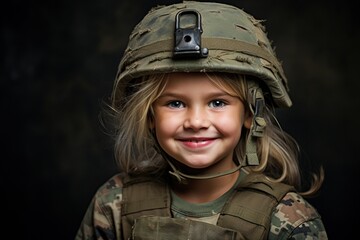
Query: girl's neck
200	191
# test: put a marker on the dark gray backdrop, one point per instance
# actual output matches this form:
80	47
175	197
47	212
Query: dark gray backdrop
59	60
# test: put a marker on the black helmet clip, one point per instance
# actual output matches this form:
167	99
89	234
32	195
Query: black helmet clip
188	40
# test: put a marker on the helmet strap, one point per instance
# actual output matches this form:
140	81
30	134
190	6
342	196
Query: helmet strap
182	177
256	105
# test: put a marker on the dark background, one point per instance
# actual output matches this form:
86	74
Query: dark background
58	63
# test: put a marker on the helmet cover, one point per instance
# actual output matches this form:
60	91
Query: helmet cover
231	41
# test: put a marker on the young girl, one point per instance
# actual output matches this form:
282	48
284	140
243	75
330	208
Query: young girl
200	152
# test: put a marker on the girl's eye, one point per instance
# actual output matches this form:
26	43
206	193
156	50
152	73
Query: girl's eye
176	104
217	104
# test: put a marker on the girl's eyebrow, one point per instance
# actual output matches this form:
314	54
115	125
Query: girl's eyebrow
210	95
170	94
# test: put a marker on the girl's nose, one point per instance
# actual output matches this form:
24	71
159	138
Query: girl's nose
196	119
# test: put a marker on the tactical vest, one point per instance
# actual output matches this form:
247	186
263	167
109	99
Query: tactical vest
146	212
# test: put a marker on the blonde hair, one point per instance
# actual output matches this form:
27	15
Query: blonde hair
135	150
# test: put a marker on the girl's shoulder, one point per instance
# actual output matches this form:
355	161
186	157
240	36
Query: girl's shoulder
103	213
296	217
111	190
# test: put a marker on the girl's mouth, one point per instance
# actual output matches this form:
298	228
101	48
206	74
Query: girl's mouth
197	142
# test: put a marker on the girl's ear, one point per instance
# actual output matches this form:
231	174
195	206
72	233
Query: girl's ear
150	117
151	122
248	120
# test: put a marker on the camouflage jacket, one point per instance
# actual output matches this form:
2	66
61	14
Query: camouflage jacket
293	218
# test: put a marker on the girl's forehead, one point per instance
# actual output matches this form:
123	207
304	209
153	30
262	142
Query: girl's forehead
195	75
187	79
220	80
192	79
217	81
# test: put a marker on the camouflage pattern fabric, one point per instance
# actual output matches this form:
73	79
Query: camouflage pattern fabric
293	218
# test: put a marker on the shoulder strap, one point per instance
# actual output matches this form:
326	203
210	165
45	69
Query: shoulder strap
250	208
143	198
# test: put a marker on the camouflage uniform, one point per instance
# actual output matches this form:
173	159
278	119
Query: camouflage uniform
293	218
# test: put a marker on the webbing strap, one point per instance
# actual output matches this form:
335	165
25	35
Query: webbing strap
251	156
167	45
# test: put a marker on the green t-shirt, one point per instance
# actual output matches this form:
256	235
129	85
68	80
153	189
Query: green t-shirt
205	212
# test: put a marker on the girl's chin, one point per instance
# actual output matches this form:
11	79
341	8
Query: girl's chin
195	168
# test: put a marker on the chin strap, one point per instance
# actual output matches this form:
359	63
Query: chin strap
182	177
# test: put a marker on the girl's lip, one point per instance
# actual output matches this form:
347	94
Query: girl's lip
196	142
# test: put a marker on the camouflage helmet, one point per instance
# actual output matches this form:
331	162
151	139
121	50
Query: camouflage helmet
202	37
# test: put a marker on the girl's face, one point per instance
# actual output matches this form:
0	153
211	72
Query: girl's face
197	123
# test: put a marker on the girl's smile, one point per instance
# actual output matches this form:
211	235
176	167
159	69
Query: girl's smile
197	123
197	143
